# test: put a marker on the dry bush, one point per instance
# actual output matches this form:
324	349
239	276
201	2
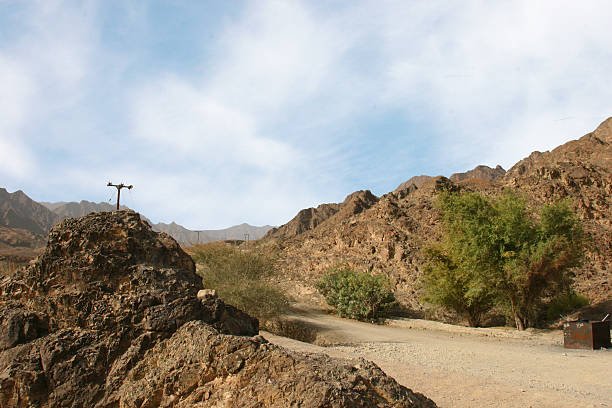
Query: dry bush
242	277
8	267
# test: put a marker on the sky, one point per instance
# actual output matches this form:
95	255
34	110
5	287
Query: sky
223	112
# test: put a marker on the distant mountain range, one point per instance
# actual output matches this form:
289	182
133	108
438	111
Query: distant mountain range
24	224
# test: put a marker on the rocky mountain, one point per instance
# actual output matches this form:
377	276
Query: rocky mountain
73	209
17	210
581	171
183	235
189	237
112	314
387	236
310	218
481	173
24	225
413	183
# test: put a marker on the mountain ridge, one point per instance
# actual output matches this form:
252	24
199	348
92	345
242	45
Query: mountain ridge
388	236
24	224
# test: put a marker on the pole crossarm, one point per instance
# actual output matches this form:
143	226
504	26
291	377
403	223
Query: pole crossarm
119	187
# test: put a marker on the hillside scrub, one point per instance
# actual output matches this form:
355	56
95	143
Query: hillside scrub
495	252
8	267
356	295
241	278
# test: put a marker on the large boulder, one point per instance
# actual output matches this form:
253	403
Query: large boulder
109	316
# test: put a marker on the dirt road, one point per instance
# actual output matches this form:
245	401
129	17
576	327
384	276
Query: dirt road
464	367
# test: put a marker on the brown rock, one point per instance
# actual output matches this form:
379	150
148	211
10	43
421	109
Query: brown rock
387	236
199	367
108	316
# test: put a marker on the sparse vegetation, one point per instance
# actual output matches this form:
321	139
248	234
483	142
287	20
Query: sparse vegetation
356	295
241	277
495	253
563	304
8	268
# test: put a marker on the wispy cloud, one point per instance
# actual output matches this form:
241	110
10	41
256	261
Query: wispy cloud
252	114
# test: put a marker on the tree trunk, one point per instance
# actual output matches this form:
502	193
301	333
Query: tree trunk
520	324
519	320
473	320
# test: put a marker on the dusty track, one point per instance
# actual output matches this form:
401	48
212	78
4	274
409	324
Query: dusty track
463	367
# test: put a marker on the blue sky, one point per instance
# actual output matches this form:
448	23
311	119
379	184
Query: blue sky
228	112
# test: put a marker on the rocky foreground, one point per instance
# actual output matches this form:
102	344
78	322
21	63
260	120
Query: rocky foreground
108	316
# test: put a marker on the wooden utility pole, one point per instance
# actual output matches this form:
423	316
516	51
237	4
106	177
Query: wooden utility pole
119	187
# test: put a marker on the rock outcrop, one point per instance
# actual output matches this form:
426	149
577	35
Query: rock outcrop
480	172
109	316
310	218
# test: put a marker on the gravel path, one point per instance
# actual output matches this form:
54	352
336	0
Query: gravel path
465	367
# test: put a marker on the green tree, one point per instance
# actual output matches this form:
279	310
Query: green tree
356	295
495	252
457	269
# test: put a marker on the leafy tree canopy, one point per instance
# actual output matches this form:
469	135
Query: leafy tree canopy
495	252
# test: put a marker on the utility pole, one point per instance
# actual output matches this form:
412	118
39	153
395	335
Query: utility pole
198	231
119	187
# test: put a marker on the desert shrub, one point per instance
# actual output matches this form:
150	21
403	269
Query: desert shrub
495	252
241	278
356	295
564	304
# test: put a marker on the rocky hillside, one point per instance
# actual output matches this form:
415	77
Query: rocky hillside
310	218
580	170
110	315
17	210
24	225
387	236
480	173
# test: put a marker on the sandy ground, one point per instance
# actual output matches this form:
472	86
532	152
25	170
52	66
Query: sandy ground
465	367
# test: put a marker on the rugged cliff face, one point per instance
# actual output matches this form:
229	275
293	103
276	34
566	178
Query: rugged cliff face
387	236
109	316
581	171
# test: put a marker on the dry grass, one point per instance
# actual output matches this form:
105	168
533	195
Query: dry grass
9	267
242	277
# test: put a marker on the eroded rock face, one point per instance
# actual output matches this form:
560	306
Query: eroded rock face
387	237
108	316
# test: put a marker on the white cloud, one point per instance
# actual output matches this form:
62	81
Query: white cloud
275	57
41	71
16	89
498	77
275	120
270	62
184	119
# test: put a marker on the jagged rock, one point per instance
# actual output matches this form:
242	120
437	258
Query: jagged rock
485	173
18	326
108	316
199	367
310	218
